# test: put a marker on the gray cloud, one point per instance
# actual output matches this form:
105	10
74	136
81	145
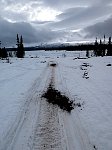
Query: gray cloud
9	31
88	16
99	29
65	4
79	17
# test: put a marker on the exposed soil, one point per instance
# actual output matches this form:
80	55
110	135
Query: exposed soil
55	97
53	64
109	64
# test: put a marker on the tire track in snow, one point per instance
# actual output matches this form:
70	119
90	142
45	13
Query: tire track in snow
47	132
11	138
75	135
51	129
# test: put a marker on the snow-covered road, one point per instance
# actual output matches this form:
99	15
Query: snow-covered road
21	130
29	122
43	126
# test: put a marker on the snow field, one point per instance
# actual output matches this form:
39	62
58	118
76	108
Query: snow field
23	81
96	95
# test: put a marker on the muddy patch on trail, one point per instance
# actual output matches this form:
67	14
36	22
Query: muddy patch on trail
57	98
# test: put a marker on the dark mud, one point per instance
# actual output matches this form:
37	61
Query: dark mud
56	98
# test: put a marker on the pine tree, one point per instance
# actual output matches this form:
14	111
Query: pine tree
87	53
96	48
0	44
20	47
104	38
104	47
109	47
4	53
0	50
18	41
100	41
100	48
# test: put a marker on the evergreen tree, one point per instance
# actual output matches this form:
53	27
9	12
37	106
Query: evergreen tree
109	47
20	47
3	53
87	53
96	48
104	38
104	47
100	48
18	41
0	44
0	53
0	50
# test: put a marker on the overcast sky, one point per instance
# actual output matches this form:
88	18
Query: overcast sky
48	21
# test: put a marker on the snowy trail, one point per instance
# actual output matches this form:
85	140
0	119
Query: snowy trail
47	132
43	126
37	126
75	135
24	115
19	134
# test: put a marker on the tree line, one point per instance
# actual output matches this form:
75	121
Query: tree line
99	48
20	52
102	48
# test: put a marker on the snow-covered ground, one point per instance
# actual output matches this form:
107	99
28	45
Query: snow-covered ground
86	81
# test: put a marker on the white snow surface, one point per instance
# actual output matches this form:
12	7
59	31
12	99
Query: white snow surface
27	122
